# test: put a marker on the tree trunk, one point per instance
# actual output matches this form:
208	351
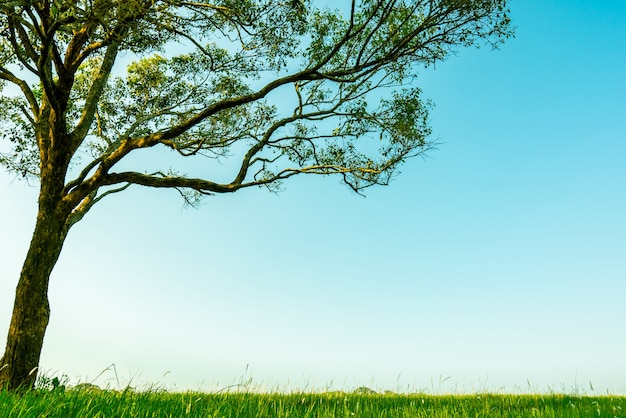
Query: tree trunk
31	310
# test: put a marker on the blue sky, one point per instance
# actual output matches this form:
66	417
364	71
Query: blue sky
496	263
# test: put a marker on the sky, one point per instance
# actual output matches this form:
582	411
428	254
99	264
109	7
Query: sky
497	263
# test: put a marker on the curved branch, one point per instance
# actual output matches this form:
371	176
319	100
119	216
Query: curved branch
162	181
82	176
305	75
87	203
14	26
26	91
91	101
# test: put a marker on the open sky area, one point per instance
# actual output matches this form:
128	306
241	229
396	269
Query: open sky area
497	263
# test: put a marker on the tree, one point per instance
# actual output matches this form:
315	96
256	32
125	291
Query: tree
275	88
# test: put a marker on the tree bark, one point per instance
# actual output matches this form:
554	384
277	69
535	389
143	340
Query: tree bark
31	310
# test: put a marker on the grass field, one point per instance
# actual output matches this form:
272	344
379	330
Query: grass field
92	402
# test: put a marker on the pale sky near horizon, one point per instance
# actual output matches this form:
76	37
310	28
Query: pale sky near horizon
498	263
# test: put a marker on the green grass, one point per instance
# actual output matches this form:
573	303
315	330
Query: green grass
96	403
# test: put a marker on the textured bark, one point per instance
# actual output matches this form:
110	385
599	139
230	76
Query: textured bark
31	309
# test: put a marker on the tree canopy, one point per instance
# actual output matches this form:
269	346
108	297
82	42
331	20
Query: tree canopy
211	100
276	88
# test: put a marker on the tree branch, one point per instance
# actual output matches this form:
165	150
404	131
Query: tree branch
87	203
26	91
91	101
167	182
